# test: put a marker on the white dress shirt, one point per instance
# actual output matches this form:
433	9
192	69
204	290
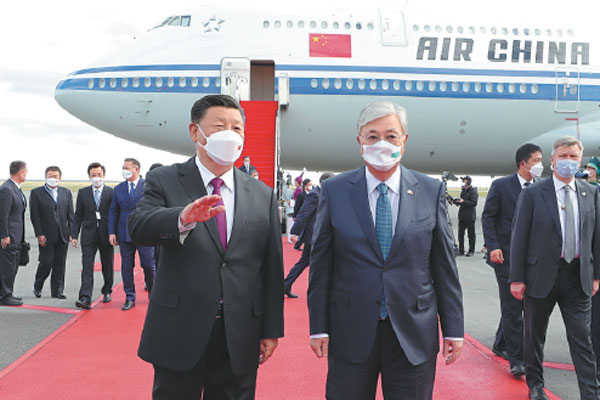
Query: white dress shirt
560	200
522	181
393	184
135	183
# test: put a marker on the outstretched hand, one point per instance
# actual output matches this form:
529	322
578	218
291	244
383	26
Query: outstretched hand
201	210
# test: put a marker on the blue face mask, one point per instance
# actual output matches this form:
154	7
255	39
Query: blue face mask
567	168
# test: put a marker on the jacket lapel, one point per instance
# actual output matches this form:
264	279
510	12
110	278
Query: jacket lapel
584	197
357	192
242	194
191	181
409	195
549	196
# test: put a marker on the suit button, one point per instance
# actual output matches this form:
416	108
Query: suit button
223	265
378	302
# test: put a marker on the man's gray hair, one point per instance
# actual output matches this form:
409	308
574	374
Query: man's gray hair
567	141
381	109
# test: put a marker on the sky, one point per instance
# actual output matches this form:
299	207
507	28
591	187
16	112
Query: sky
39	48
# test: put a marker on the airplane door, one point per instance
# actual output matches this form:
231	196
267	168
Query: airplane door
393	27
567	90
235	77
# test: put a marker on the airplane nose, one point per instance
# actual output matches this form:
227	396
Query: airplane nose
64	97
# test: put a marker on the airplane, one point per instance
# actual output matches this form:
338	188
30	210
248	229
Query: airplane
475	86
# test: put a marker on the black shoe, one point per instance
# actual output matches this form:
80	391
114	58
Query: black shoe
517	370
129	304
59	296
291	295
83	304
37	293
11	301
500	353
460	253
297	245
469	254
537	393
145	287
106	298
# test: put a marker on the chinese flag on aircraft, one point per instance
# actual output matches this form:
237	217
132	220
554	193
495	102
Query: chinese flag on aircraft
329	45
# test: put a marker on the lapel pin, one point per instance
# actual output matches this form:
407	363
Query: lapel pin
583	193
410	192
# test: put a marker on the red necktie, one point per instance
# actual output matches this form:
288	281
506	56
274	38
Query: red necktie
220	217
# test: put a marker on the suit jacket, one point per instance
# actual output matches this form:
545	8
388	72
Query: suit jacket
467	210
497	217
121	207
195	275
536	240
52	219
85	216
305	220
12	212
298	202
348	272
244	170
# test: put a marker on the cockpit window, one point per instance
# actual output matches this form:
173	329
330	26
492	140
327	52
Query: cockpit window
175	20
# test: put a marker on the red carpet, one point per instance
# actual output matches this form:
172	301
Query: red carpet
93	356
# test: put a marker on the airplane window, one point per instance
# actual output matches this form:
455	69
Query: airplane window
515	31
526	31
194	82
185	20
113	83
324	24
290	24
493	30
218	82
163	23
443	86
570	33
102	83
573	89
147	82
460	29
420	86
124	82
408	85
314	83
385	84
505	31
300	24
206	81
559	32
175	21
489	87
449	29
336	25
91	83
370	26
347	25
432	86
472	29
358	26
373	84
548	32
182	81
170	82
500	87
313	24
416	28
266	24
427	28
455	86
534	88
396	84
538	32
158	82
477	87
337	83
349	83
482	30
511	88
466	86
136	82
361	84
325	83
438	28
277	24
523	88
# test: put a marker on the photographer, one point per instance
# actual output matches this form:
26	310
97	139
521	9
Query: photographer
466	216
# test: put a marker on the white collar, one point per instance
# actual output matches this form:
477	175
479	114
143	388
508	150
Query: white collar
558	185
135	183
522	180
19	186
393	182
208	176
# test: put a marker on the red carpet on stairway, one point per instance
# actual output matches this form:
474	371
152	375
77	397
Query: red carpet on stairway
93	356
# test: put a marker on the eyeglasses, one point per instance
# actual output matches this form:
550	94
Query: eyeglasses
392	138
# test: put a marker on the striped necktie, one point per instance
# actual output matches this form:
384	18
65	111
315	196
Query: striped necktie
383	228
97	198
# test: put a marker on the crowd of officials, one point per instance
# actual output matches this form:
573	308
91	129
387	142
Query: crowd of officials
375	309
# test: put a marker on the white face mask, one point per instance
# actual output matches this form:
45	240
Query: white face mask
97	181
52	182
127	174
536	170
223	147
382	155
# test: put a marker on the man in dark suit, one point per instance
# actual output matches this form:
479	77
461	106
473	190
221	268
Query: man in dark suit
383	271
247	167
51	211
496	221
303	226
216	310
12	231
91	218
126	196
299	201
467	214
555	258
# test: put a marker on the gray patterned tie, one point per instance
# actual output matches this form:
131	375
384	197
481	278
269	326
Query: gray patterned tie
569	226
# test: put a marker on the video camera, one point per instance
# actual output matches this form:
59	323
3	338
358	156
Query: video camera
449	176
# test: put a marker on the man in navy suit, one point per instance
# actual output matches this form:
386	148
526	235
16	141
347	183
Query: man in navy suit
383	271
91	218
12	231
555	258
125	198
496	221
303	226
51	210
